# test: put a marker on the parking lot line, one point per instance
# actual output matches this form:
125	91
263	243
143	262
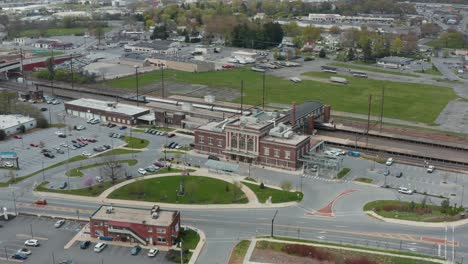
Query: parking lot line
29	236
11	260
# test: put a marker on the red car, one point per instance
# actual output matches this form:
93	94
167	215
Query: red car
41	202
92	140
82	141
18	136
34	145
171	135
227	66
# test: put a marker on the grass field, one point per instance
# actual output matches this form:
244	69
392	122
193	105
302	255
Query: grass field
431	71
34	33
118	152
239	251
190	239
338	255
94	191
452	44
136	143
412	102
398	210
343	173
371	69
199	190
277	196
364	180
77	172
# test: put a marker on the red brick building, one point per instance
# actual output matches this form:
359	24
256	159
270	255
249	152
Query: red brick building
145	226
260	138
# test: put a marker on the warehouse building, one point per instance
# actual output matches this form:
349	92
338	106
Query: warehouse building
186	64
393	62
136	225
105	111
13	124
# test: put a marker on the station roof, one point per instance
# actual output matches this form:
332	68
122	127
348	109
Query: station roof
108	106
7	121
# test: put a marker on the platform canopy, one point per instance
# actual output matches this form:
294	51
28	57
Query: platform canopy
221	165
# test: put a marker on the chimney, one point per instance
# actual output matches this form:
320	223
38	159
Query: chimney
310	124
326	113
293	115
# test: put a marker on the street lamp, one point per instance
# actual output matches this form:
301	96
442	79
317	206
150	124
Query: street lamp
43	175
136	78
272	222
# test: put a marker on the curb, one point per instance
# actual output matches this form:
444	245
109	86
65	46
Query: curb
417	224
200	245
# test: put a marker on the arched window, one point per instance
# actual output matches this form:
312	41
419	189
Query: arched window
233	140
250	144
242	142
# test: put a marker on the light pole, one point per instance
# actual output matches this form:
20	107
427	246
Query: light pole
14	202
272	222
71	70
43	174
30	226
136	79
181	252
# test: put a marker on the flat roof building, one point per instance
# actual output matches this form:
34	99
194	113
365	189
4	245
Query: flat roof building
393	62
105	111
146	226
12	124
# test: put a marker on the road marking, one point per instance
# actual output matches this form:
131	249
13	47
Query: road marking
29	236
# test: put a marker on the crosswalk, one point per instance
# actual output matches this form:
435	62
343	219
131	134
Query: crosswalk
326	179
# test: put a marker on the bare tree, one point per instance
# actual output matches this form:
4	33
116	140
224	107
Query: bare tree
112	169
286	186
88	182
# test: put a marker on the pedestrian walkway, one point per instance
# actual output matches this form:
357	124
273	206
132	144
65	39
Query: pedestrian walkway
326	179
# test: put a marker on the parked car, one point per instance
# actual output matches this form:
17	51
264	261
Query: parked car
159	164
85	244
19	256
63	185
99	179
142	171
59	223
60	151
212	157
99	247
150	168
86	154
92	140
31	243
72	147
34	145
430	169
405	190
80	127
386	172
24	251
43	109
17	136
41	202
62	136
135	250
74	141
58	132
8	164
107	146
153	252
399	174
389	161
170	135
122	128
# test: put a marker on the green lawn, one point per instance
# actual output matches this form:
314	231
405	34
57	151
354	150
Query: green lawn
412	102
399	210
452	44
198	190
143	127
277	196
343	173
239	251
364	180
34	33
94	191
77	172
340	255
371	69
48	54
18	179
406	101
190	239
118	152
432	71
136	143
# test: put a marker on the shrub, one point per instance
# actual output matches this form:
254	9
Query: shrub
309	59
394	207
262	186
307	251
359	260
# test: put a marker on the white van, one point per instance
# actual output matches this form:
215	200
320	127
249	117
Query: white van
99	247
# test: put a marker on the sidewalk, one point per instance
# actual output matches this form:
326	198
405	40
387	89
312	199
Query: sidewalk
251	248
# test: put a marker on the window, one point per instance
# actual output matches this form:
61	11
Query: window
220	142
242	142
277	153
250	144
233	140
266	151
210	140
150	229
287	154
161	230
201	139
161	239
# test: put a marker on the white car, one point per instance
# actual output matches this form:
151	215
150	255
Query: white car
153	252
71	147
405	190
389	161
86	154
80	127
31	243
295	79
63	144
99	179
8	164
23	251
142	171
59	223
430	169
100	247
58	133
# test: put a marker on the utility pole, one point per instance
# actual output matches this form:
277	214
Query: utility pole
445	242
453	243
463	192
30	226
368	119
381	108
6	253
272	222
52	77
162	82
181	253
242	96
43	174
71	71
136	78
263	92
53	258
21	54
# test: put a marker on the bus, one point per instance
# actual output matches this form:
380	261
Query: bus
359	74
329	69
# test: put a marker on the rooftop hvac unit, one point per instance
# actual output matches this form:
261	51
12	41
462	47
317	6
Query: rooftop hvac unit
187	107
109	210
210	98
155	215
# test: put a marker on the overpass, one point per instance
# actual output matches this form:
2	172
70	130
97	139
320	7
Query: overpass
31	63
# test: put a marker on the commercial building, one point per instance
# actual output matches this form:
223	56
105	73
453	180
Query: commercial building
137	225
157	46
335	18
13	124
393	62
105	111
186	64
52	44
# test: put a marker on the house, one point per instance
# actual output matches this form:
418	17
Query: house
393	62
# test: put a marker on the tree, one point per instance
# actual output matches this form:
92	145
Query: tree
311	33
88	182
112	169
367	50
445	206
322	53
2	134
350	56
50	68
397	46
67	22
286	186
262	186
334	30
160	32
292	29
99	34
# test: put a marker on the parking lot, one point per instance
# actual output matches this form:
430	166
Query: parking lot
52	240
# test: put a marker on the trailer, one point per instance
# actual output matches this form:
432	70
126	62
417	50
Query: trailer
338	80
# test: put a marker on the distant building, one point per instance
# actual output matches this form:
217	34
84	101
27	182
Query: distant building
335	18
105	111
157	46
181	63
136	225
12	124
23	41
52	44
393	62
